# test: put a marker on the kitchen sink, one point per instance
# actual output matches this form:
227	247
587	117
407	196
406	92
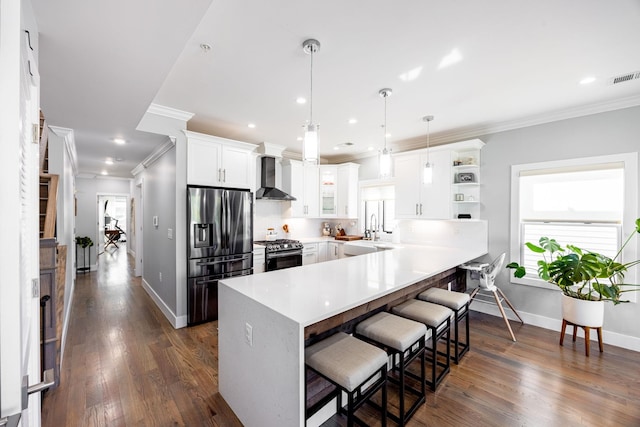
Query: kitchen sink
361	247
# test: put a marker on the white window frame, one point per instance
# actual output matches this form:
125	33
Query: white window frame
629	215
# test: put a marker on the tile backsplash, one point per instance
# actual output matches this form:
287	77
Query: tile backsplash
274	214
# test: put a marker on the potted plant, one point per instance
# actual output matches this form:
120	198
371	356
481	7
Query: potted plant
586	278
84	241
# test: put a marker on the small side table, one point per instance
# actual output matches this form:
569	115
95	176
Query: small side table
84	267
587	335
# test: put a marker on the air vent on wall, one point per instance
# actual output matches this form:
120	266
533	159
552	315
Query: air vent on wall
625	77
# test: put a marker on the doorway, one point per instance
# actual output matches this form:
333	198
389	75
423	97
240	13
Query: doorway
112	222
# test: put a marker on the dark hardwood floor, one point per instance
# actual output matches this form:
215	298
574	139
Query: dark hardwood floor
125	365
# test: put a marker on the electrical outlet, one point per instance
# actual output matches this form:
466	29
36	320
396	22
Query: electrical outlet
160	276
248	334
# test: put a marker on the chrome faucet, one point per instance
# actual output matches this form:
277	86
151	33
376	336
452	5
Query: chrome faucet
374	228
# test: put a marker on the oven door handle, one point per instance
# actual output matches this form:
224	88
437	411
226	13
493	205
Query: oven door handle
283	254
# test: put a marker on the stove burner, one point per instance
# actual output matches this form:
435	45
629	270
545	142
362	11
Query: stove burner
279	245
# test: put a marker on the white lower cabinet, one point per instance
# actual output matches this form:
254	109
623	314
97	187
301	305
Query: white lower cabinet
310	253
322	252
259	264
334	251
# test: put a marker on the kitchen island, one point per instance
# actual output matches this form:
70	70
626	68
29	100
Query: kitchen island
265	320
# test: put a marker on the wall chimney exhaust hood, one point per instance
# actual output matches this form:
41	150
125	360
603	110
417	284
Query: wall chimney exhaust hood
268	190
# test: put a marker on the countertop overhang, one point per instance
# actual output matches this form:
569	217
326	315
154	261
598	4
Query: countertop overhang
315	292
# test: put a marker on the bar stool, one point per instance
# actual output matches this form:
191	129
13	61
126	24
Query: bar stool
437	319
402	338
349	364
459	303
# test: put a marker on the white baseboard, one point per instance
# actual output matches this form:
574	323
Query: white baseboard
612	338
176	321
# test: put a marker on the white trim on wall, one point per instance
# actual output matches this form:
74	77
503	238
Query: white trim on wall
176	321
630	212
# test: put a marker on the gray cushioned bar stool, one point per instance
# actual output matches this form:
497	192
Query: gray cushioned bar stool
403	339
349	364
459	303
437	319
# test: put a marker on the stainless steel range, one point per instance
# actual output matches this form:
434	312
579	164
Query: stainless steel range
281	253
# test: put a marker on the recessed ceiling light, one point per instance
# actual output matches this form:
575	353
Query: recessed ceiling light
299	138
453	57
301	100
105	173
387	134
206	47
353	121
587	80
343	145
251	126
119	159
369	148
119	141
411	74
109	161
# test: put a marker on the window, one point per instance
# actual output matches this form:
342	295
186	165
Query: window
585	202
378	200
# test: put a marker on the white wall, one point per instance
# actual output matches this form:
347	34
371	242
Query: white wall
87	190
160	250
61	162
599	134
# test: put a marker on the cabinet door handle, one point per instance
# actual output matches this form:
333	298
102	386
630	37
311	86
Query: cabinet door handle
224	175
420	208
219	175
416	209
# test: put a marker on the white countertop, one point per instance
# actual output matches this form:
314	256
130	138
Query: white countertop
315	292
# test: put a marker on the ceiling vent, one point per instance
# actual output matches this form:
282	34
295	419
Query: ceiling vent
625	77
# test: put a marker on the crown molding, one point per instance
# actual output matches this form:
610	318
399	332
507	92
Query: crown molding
471	132
172	113
154	156
69	144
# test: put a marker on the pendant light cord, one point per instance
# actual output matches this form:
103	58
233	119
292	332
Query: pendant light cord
428	134
385	122
311	91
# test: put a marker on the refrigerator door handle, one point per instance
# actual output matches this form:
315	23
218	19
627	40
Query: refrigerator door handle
210	262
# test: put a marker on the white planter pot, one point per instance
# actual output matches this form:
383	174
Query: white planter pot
583	312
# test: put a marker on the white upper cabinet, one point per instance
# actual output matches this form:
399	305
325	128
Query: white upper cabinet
437	200
301	181
414	198
328	191
348	190
219	162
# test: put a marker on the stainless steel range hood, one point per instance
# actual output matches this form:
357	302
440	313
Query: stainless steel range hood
268	190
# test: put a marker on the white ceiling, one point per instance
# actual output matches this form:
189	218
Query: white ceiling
104	63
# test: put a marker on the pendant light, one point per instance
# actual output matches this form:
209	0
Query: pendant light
385	154
427	176
310	144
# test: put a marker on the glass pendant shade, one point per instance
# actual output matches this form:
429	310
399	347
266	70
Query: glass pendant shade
427	177
385	163
310	144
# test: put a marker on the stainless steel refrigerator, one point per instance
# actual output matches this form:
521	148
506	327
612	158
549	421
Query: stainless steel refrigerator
220	245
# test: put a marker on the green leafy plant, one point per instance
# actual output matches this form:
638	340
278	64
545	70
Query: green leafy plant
582	274
84	241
